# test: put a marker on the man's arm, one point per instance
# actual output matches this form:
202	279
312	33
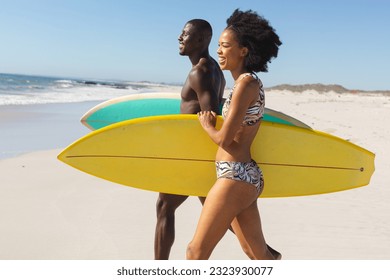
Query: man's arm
201	81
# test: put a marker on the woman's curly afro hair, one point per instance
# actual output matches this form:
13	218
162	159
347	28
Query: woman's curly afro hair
255	33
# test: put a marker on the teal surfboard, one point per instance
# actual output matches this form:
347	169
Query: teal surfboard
145	105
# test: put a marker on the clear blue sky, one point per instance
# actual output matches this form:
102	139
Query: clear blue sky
343	42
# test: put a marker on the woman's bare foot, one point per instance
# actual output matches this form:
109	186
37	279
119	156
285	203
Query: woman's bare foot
276	254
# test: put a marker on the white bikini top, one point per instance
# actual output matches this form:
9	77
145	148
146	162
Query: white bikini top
255	112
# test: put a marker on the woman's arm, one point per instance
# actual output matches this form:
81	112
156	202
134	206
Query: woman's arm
244	95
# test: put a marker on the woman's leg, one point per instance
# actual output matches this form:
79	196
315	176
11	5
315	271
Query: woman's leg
247	226
226	199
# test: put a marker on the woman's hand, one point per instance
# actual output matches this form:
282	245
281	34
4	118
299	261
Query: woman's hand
207	119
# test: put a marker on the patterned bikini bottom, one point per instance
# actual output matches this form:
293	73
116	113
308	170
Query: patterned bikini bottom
241	171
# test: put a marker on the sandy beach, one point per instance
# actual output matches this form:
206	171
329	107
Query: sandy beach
49	210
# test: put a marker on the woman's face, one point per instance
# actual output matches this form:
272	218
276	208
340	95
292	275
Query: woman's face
230	54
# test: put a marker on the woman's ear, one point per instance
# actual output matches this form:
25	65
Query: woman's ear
244	51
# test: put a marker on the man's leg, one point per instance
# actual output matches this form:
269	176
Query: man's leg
165	227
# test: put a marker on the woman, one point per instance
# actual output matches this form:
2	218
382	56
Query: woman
246	46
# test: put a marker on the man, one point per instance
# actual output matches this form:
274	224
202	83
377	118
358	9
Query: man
202	91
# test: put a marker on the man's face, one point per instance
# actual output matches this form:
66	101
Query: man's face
188	40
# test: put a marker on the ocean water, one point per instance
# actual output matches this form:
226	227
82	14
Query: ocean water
25	90
52	119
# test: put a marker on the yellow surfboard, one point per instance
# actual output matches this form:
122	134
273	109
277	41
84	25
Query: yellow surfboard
172	154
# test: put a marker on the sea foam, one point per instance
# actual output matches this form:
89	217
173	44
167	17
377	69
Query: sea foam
26	90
